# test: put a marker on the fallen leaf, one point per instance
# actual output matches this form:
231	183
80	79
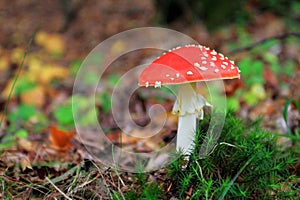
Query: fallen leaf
25	144
118	137
4	63
39	97
50	72
53	43
6	91
25	163
17	55
59	138
270	78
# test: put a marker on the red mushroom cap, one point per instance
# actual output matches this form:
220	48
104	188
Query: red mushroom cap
190	63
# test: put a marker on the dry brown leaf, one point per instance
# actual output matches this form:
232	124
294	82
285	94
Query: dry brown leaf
59	138
25	144
25	163
124	139
270	78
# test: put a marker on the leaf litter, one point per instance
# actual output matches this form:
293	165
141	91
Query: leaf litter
51	156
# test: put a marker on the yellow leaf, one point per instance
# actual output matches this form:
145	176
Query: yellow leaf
7	90
35	96
17	55
4	62
51	72
34	69
53	43
40	38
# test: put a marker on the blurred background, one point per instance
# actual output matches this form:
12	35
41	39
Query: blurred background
262	36
42	46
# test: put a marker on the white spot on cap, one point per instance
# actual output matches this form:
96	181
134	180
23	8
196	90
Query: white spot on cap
203	68
177	75
222	58
204	62
196	64
212	64
172	79
232	62
213	53
216	70
206	48
189	73
232	67
214	58
221	55
167	75
205	54
225	63
157	84
203	58
223	66
147	84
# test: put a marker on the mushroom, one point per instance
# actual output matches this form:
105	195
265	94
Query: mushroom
187	65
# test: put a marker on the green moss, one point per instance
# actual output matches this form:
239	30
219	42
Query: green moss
244	164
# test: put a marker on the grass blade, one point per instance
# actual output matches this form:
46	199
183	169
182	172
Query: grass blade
18	74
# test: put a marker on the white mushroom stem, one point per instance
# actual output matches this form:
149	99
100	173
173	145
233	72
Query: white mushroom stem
186	133
188	106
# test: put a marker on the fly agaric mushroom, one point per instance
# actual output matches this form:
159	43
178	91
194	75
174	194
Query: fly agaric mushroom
185	66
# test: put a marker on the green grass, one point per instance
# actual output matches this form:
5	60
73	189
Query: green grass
246	163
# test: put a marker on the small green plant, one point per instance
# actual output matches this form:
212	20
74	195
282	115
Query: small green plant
295	136
148	191
245	163
285	111
64	116
20	118
11	139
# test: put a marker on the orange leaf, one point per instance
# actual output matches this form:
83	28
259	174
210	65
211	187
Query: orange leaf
60	139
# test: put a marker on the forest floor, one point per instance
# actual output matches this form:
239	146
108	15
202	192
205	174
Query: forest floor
42	154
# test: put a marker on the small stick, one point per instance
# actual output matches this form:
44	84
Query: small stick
277	37
61	192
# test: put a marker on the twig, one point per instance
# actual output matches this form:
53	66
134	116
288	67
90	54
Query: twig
17	75
66	174
103	180
61	192
277	37
87	182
